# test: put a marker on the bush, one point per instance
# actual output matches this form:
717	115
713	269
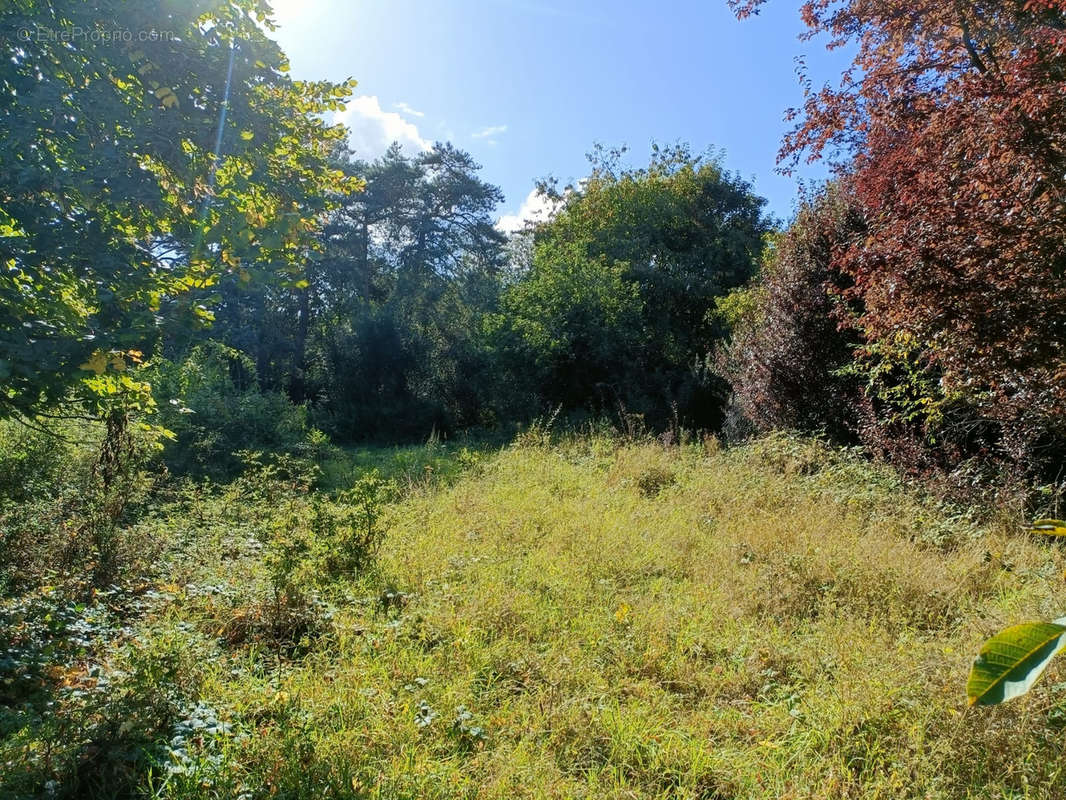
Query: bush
65	507
788	345
32	461
36	477
801	359
211	400
90	705
315	539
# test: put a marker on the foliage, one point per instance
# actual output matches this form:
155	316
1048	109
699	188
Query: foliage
542	620
133	182
1013	660
368	496
63	517
791	340
533	603
614	308
950	126
384	338
213	403
99	699
32	462
574	324
257	611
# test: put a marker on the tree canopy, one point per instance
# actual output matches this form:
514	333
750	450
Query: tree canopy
136	174
949	135
616	308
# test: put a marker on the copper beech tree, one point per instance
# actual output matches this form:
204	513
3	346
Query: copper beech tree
950	131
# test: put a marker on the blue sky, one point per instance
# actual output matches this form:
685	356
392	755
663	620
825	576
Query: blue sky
527	86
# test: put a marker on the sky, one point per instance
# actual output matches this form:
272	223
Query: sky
528	86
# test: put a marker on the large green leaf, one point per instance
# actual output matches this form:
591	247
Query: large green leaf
1049	527
1011	661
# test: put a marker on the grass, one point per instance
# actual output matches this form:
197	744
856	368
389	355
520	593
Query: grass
589	618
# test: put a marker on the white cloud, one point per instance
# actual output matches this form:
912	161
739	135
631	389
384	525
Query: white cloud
536	207
406	109
371	130
490	131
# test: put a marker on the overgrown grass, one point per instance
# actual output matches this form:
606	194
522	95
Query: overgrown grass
576	618
408	465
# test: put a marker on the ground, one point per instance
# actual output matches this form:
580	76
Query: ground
570	617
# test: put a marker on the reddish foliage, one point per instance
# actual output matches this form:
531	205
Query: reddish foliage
967	248
783	358
954	119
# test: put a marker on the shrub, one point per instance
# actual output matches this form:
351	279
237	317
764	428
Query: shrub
953	147
212	402
32	461
91	705
67	500
788	343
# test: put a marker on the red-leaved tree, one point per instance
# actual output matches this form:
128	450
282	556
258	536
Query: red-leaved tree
787	351
951	125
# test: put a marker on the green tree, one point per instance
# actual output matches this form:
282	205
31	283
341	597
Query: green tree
138	171
616	306
383	339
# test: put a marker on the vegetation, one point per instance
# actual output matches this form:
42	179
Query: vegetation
613	313
1014	659
948	135
1011	661
135	178
546	619
314	483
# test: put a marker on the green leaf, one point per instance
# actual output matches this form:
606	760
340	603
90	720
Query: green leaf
1011	661
1049	527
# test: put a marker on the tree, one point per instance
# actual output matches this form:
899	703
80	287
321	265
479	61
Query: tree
789	345
149	149
571	329
952	125
384	338
616	307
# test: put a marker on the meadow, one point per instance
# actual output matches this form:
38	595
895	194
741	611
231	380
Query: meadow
332	468
568	616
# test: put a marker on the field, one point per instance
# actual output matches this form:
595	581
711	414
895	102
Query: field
577	617
343	457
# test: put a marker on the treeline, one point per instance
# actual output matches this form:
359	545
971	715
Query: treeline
187	244
417	314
